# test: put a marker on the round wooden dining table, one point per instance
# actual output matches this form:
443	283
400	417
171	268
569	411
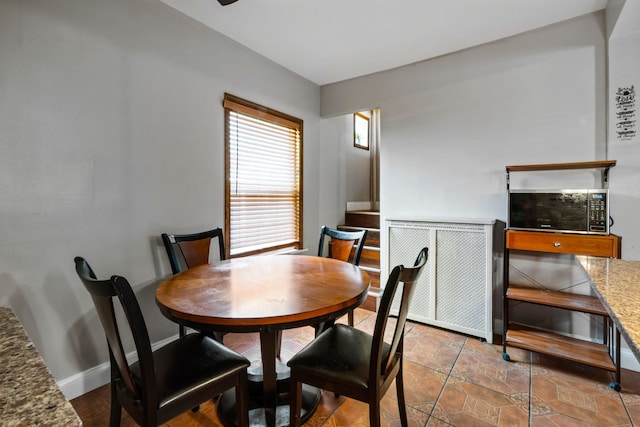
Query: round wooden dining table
264	294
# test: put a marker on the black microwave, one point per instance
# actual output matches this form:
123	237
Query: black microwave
571	211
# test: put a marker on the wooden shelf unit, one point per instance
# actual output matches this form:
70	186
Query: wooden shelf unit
600	355
550	343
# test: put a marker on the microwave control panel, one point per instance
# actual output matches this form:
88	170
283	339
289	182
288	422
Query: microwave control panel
598	212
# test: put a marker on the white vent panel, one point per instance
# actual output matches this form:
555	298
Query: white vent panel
405	245
455	291
461	297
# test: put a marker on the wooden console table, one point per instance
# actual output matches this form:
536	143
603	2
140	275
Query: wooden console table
29	394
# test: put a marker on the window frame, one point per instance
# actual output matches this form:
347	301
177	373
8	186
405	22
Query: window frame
232	104
360	120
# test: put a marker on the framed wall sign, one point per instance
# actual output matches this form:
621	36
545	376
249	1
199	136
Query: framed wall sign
361	131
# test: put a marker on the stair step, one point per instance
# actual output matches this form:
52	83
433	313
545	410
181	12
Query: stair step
369	219
373	234
370	258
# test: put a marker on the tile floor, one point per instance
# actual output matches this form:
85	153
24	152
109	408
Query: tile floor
450	380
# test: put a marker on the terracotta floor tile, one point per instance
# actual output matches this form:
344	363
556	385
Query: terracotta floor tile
515	354
578	398
633	408
391	414
422	386
466	404
435	350
327	406
557	420
450	380
351	414
437	334
480	364
355	414
435	422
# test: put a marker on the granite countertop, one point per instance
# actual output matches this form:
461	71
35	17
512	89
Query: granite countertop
29	395
617	284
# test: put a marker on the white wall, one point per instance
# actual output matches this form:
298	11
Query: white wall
111	132
333	176
450	125
624	72
350	180
358	165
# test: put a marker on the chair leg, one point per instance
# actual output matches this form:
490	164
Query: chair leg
116	408
278	342
402	406
350	318
295	403
374	413
242	402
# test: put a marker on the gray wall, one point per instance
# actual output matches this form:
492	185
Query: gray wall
111	132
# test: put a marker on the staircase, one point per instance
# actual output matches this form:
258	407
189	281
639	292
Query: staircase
370	259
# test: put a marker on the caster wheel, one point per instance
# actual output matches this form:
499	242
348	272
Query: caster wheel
506	357
615	386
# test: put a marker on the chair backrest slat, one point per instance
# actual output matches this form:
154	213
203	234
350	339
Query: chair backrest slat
340	249
195	252
343	245
402	279
191	249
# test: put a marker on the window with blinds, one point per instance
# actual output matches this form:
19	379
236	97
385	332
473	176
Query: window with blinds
263	178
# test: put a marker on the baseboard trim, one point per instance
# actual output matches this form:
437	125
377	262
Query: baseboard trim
83	382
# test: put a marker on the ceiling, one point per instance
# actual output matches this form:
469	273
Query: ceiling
327	41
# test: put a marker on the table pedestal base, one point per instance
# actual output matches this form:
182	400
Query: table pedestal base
261	416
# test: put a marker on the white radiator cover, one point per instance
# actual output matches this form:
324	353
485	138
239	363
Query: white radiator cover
456	289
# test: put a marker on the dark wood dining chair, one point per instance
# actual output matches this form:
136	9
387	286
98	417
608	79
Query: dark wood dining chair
353	363
190	250
343	245
166	382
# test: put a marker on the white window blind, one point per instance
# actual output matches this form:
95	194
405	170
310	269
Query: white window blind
263	179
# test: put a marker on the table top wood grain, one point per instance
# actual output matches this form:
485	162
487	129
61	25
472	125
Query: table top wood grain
249	294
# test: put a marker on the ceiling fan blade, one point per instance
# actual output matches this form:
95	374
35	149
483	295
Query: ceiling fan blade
226	2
